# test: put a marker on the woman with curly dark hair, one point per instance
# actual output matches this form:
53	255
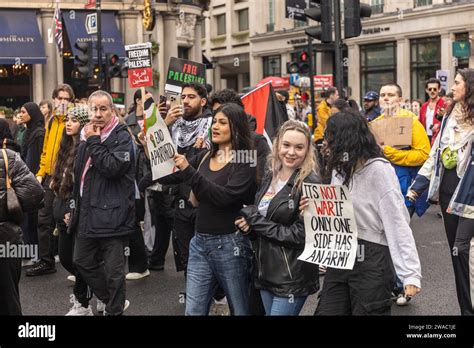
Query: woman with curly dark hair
384	236
62	186
448	174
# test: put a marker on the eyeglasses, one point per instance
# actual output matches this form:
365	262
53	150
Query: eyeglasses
433	89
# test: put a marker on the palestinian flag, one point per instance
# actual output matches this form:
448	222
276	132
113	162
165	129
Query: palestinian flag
264	106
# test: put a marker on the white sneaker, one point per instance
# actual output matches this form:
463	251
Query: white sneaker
71	277
125	306
100	306
56	259
135	276
402	300
78	310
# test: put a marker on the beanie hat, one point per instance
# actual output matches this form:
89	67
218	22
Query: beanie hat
80	112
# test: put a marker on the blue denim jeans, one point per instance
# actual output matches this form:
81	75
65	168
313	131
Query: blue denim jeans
224	260
276	305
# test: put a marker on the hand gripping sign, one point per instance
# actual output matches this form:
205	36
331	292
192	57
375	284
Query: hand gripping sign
330	226
140	72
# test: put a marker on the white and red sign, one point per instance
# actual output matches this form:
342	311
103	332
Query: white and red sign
323	81
140	72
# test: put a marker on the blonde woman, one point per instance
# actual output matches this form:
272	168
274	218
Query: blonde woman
284	281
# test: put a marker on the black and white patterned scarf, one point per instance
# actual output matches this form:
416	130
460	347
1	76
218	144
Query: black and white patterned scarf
185	133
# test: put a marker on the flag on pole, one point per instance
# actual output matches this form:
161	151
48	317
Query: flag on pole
263	105
58	28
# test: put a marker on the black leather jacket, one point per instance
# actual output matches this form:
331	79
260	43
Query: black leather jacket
280	240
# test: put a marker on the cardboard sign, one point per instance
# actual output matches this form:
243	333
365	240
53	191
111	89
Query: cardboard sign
181	72
140	72
393	131
330	226
161	148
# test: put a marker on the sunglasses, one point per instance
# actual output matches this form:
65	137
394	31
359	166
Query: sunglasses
432	89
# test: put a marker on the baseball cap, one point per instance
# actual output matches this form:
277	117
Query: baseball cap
371	95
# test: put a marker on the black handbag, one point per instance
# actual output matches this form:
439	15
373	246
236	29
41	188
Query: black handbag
15	212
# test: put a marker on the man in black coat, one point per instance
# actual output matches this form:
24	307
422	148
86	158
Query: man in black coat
104	202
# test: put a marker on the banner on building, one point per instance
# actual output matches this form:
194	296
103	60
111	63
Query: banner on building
161	148
181	72
294	9
140	72
330	226
393	131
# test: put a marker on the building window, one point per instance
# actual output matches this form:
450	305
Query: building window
377	6
272	66
462	62
271	16
243	19
299	24
420	3
203	29
183	52
220	20
378	66
425	60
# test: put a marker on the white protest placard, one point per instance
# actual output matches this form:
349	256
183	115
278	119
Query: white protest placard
330	226
161	148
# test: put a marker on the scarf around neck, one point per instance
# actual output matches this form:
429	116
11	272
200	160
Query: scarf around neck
104	134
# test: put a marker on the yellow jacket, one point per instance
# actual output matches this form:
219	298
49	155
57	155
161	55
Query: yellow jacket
52	139
324	111
420	144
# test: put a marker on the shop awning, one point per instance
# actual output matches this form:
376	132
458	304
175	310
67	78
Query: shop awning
20	39
77	32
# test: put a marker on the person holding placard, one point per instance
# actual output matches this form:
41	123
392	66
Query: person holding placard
449	177
385	240
284	281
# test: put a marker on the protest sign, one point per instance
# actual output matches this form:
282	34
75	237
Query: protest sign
161	148
182	71
140	72
330	226
393	131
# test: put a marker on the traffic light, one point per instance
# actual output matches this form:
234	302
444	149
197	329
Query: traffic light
322	14
292	68
303	63
112	65
84	59
353	12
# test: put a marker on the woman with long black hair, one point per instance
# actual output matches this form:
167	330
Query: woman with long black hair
448	175
385	239
222	181
62	185
31	116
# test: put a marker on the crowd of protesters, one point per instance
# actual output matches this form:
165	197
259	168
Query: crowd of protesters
236	228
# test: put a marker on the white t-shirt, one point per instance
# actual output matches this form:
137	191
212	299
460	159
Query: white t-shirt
268	196
429	120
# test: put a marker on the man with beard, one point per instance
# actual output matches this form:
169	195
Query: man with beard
189	125
371	106
429	110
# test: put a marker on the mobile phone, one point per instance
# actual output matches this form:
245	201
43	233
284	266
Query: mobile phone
175	99
162	99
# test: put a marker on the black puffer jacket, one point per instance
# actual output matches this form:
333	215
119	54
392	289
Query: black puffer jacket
280	240
28	190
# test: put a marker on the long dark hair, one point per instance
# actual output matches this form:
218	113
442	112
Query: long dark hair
468	77
239	128
62	181
350	142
